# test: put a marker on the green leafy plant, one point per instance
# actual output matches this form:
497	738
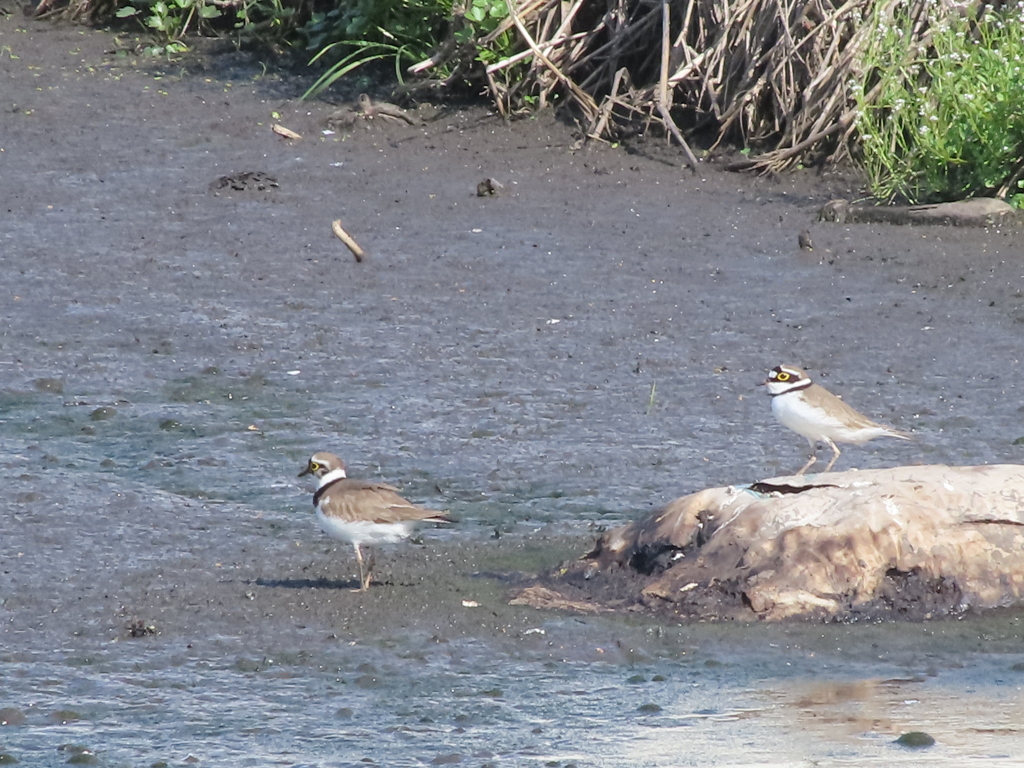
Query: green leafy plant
170	20
481	19
363	53
408	31
940	115
272	21
1017	200
363	31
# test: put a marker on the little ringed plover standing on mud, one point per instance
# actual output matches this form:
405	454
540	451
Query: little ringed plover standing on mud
812	411
361	512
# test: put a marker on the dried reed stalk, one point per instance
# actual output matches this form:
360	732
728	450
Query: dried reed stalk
770	74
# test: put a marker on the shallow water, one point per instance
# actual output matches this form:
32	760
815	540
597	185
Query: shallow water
543	364
696	696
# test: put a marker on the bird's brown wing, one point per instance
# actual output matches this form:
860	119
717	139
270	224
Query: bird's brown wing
376	503
852	416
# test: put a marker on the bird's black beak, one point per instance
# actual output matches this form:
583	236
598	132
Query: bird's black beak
306	471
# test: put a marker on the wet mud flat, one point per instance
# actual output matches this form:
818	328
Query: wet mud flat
545	363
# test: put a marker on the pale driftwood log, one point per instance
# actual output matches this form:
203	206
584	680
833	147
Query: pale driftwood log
977	212
835	546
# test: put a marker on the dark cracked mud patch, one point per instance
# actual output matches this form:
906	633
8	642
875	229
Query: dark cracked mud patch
558	358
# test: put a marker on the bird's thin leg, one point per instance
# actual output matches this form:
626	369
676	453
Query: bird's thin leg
371	562
364	577
835	453
812	459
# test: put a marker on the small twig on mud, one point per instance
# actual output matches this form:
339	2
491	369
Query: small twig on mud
286	133
348	240
669	123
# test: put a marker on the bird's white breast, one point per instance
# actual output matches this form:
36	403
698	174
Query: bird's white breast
363	531
792	411
795	412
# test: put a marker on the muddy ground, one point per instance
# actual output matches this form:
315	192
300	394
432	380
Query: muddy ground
562	357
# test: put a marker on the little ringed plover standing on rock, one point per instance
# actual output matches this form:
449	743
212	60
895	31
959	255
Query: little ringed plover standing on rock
814	412
362	512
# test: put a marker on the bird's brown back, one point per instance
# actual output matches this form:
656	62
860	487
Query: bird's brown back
820	397
351	500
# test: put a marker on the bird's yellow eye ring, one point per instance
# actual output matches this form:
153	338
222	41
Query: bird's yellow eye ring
782	376
314	466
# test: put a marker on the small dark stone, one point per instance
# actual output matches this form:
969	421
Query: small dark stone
489	188
247	665
11	716
1018	667
103	413
494	693
915	740
451	759
139	628
168	425
649	709
79	755
65	716
1019	441
83	758
635	679
6	758
658	679
56	386
344	713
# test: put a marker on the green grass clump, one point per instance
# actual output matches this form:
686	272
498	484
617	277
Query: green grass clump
358	32
941	103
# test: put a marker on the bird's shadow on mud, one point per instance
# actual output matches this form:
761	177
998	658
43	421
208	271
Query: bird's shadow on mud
320	583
